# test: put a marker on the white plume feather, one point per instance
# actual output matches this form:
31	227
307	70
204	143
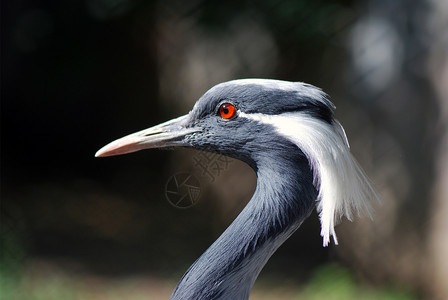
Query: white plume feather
344	189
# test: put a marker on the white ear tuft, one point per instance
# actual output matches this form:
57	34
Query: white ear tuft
344	189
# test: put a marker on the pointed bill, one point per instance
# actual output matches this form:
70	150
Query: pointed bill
168	134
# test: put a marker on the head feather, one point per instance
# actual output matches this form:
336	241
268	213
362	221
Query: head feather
344	189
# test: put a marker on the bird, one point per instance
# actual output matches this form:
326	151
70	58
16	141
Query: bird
287	133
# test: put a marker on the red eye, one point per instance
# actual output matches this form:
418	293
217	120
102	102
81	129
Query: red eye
227	110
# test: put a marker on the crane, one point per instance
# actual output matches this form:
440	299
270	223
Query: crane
286	132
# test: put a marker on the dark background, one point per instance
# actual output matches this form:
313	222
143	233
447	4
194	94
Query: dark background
76	75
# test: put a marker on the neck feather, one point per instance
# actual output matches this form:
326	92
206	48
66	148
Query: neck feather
283	199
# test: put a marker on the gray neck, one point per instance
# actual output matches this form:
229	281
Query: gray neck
283	199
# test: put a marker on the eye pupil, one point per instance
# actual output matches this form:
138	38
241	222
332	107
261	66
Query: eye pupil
227	110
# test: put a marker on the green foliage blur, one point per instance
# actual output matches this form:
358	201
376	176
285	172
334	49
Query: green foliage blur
331	282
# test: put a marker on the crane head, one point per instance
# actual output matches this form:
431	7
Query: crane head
250	119
220	120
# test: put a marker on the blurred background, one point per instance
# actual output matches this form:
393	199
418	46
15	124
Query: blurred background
76	75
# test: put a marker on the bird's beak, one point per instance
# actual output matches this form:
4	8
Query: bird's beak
168	134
